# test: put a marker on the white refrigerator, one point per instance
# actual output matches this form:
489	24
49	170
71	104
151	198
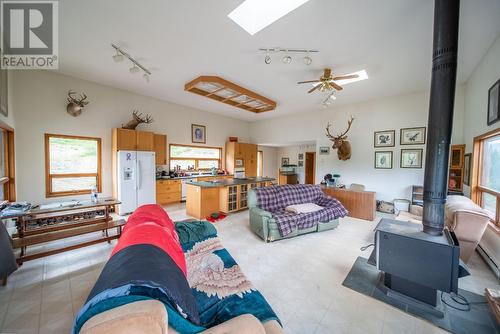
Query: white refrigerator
136	178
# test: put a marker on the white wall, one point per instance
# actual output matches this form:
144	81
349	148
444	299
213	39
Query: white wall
484	76
270	158
39	98
382	114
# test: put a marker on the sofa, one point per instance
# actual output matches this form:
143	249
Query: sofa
165	277
270	220
462	216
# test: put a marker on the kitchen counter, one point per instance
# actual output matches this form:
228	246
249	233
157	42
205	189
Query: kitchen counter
229	182
192	177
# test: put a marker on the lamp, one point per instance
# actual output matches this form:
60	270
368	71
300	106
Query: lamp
134	69
118	57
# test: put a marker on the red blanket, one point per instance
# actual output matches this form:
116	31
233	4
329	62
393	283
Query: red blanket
150	224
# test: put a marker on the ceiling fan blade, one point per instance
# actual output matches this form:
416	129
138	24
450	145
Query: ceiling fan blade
344	77
327	73
309	81
337	87
314	88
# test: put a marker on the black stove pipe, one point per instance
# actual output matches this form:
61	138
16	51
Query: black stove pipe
440	122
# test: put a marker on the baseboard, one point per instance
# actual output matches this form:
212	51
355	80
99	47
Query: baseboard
489	260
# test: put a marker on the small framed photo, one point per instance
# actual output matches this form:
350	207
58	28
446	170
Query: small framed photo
412	136
285	161
467	165
493	103
301	163
301	156
198	134
384	138
411	158
324	150
383	159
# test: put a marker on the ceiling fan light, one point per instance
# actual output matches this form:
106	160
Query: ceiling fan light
308	60
134	69
286	59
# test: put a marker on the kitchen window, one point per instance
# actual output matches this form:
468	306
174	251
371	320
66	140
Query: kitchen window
189	157
485	189
72	165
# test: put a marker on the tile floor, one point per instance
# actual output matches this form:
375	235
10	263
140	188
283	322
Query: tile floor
301	278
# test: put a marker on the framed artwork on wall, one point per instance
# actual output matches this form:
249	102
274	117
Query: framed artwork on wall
384	138
324	150
383	159
301	156
285	161
467	162
411	158
412	136
198	134
493	103
301	163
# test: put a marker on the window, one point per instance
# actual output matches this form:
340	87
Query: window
73	165
194	157
7	168
486	173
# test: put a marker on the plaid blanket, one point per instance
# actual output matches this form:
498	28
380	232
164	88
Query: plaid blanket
276	198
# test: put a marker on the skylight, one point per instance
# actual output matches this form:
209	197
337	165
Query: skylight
255	15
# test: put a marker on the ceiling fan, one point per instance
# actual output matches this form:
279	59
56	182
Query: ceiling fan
327	82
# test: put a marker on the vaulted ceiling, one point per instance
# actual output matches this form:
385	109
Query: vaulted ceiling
180	40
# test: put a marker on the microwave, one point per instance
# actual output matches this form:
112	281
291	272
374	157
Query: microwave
239	173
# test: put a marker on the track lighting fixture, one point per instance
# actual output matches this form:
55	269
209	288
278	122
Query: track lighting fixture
287	58
136	66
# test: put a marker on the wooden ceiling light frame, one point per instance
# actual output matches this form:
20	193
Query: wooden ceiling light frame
239	97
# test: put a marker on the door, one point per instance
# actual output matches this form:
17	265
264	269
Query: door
310	167
127	186
146	178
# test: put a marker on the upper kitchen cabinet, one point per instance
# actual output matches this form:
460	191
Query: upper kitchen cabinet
132	140
160	148
241	155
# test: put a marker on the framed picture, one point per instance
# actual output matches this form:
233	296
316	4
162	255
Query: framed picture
493	103
198	134
301	156
324	150
4	103
411	158
412	136
383	159
384	138
238	163
301	163
285	161
467	162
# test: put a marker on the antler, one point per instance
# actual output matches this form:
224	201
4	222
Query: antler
81	101
328	134
140	119
349	123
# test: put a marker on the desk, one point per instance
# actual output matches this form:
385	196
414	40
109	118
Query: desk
361	204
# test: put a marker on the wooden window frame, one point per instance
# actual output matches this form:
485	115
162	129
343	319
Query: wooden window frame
196	160
477	189
8	182
49	177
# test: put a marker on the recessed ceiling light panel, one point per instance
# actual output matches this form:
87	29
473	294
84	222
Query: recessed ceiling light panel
255	15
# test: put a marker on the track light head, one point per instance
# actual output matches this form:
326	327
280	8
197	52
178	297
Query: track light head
286	59
267	60
118	57
308	60
134	69
146	77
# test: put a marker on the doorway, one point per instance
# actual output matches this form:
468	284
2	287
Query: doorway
7	167
310	167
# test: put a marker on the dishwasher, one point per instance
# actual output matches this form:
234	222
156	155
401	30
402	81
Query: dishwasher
184	187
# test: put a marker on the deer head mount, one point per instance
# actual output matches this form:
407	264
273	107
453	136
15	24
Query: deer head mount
136	120
340	143
76	105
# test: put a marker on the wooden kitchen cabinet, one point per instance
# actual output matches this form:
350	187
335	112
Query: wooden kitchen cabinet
132	140
245	152
168	191
160	148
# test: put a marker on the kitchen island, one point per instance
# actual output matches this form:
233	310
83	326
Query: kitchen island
220	195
